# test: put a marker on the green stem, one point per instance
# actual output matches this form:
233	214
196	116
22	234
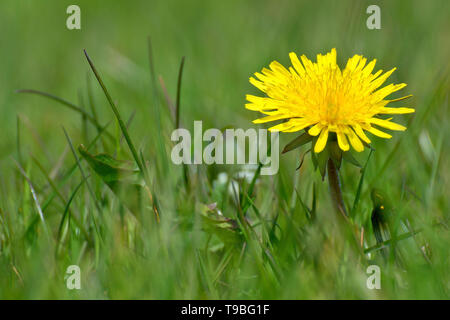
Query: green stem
335	189
339	206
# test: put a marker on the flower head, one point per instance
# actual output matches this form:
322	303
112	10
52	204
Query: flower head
320	98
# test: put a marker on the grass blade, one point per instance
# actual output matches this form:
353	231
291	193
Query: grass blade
383	244
58	193
180	75
125	133
156	102
35	198
84	178
360	184
67	211
66	103
69	173
122	125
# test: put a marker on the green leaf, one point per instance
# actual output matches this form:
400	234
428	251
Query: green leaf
125	181
314	159
297	142
314	203
113	172
349	158
336	153
122	125
360	184
304	206
302	159
322	159
246	203
226	229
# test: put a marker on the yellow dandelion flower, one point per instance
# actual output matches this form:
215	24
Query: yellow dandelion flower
320	98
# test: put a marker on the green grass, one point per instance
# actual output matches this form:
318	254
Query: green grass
278	238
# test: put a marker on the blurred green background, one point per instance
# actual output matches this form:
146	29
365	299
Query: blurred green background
224	42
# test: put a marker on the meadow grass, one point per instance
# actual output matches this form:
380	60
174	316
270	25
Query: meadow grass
278	237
